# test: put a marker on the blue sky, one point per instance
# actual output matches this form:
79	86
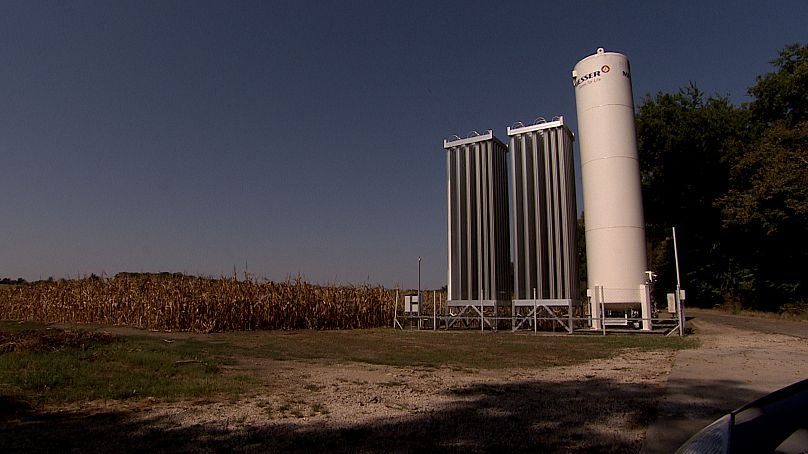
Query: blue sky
304	137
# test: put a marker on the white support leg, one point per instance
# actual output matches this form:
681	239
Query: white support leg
645	307
594	306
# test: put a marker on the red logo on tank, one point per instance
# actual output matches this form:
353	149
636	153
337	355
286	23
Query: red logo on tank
605	68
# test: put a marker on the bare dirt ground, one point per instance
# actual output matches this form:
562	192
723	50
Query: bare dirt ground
598	406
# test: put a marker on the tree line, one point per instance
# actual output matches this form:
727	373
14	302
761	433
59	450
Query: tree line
733	180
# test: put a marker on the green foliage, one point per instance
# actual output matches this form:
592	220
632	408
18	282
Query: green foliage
783	94
7	281
765	211
734	181
684	140
769	183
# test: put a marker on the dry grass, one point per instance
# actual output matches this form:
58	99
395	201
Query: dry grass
789	311
186	303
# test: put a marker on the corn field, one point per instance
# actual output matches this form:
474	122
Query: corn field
186	303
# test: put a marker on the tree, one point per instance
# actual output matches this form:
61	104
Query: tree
734	181
765	209
783	94
769	183
684	141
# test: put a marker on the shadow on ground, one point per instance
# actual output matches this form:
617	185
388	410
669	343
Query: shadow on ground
596	415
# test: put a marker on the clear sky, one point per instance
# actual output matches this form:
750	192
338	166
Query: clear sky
292	137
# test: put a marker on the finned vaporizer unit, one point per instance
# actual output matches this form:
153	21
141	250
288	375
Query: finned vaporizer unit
479	244
544	219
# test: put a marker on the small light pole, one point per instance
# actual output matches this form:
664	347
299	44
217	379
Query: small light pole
434	312
419	291
679	305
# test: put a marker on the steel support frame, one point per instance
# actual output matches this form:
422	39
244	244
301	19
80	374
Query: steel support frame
535	306
478	307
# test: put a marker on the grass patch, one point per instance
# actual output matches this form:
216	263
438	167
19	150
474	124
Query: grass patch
59	366
454	349
11	327
43	365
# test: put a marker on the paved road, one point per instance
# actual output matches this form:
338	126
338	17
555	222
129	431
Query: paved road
740	359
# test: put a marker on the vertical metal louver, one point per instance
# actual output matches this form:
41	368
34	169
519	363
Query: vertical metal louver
479	243
544	214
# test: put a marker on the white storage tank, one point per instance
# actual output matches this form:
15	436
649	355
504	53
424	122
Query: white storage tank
610	171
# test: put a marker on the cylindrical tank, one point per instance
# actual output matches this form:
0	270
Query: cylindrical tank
613	215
